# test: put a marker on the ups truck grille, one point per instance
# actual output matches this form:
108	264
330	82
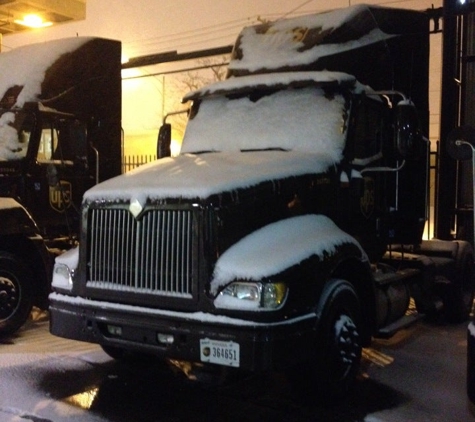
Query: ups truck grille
151	255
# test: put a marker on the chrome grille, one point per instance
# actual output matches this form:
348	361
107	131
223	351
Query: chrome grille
153	254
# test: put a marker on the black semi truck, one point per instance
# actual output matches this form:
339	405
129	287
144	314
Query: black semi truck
60	134
288	231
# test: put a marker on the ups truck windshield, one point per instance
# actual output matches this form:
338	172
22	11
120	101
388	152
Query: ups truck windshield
55	138
308	119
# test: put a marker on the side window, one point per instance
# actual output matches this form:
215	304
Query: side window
48	142
56	141
369	129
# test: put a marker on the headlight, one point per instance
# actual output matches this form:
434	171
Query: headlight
248	295
62	277
64	267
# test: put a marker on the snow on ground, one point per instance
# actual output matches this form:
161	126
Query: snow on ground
423	380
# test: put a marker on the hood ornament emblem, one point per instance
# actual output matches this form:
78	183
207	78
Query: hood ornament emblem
135	207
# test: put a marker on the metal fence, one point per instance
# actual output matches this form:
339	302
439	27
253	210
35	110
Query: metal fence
132	161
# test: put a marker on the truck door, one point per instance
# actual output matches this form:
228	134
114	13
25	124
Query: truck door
368	197
58	176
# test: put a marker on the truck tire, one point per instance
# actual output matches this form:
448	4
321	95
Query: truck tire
339	339
458	300
16	298
471	362
337	348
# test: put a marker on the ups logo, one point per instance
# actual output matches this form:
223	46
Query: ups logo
60	196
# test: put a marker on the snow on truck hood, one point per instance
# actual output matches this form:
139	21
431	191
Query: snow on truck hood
201	175
252	259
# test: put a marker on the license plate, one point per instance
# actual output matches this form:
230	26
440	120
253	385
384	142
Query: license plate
220	352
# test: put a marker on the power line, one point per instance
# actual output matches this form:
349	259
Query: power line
295	9
193	32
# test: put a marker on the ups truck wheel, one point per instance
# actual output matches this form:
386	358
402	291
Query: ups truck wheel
339	339
471	362
337	347
15	293
458	300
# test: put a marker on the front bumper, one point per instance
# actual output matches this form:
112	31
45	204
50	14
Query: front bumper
263	346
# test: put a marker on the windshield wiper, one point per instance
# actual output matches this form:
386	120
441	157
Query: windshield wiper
264	149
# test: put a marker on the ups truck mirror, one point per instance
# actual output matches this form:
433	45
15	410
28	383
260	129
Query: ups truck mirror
78	136
164	141
461	146
461	142
407	138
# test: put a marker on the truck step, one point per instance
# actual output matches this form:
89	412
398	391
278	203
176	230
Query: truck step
405	275
404	322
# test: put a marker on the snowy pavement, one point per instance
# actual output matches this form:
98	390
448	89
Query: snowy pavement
417	376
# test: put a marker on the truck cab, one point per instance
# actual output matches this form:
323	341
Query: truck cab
46	168
288	231
60	133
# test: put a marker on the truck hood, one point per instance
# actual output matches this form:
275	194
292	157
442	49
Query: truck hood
198	176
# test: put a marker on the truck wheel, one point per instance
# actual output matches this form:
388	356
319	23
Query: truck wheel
339	351
16	298
458	300
338	347
471	362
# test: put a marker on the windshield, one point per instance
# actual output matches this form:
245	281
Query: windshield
15	130
301	119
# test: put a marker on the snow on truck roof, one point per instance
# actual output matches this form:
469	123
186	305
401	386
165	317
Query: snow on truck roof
22	72
302	41
25	67
272	80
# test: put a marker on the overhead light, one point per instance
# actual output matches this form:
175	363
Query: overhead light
33	21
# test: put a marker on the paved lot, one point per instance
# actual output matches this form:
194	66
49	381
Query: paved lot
417	376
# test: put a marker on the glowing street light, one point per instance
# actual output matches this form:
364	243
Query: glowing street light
33	21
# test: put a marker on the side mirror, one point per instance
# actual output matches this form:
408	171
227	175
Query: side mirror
407	138
78	136
164	141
